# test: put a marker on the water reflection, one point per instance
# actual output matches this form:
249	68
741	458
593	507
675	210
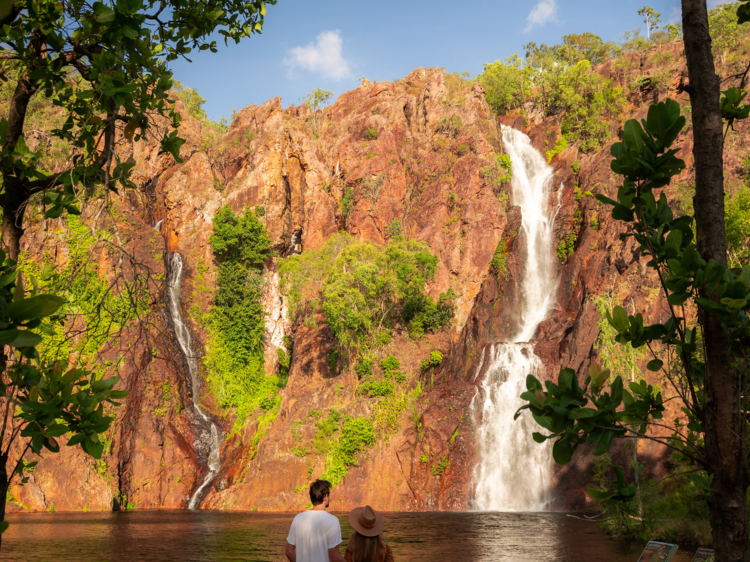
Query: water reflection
183	536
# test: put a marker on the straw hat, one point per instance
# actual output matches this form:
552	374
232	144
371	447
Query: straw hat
366	521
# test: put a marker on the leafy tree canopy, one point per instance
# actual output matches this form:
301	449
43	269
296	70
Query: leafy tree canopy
105	64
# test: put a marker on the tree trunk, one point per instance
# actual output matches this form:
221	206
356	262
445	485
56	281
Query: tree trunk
723	431
3	489
11	229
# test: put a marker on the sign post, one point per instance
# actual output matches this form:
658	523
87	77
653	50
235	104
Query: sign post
658	552
704	555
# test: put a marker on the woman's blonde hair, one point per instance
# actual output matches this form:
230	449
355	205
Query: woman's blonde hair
367	549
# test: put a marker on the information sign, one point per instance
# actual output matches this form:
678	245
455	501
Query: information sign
704	555
658	552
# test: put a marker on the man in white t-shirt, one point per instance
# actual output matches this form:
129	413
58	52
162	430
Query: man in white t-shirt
315	535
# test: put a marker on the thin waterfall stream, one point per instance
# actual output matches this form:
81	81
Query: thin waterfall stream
513	473
210	434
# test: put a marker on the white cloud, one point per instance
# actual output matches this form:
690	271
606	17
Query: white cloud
323	56
544	11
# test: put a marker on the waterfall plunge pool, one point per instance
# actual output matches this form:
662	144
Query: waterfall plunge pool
184	536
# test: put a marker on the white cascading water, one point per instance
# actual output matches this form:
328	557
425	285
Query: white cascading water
514	472
181	332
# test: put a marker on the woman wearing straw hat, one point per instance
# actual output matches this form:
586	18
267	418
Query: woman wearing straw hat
367	544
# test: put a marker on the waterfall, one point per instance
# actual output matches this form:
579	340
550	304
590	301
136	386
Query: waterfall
513	473
210	434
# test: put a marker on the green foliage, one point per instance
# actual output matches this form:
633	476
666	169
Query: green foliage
100	309
367	289
650	18
347	201
364	367
355	435
237	325
566	84
371	187
371	134
47	401
737	220
623	360
394	228
192	100
382	387
103	65
567	247
594	221
560	145
423	315
498	173
284	354
450	126
389	364
435	359
726	32
299	451
497	265
439	468
317	100
506	84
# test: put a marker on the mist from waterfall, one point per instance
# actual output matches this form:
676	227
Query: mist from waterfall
513	473
211	434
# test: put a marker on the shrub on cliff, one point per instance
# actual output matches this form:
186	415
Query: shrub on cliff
559	79
365	290
237	321
506	84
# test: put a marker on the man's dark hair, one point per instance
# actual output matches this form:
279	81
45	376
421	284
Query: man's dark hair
319	490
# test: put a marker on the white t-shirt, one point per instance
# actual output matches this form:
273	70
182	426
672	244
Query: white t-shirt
313	533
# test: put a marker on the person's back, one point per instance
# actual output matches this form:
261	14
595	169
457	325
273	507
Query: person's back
366	543
315	535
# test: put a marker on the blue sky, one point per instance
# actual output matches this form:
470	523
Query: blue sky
330	43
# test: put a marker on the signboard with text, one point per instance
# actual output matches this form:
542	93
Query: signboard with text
704	555
658	552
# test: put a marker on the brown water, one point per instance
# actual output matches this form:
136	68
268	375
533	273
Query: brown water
183	536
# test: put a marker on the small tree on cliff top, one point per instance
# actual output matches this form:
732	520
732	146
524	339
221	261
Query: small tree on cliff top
708	368
316	100
105	65
650	17
38	401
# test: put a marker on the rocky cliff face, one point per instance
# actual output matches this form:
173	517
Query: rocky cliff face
398	146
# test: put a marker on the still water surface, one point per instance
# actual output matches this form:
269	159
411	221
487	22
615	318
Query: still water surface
183	536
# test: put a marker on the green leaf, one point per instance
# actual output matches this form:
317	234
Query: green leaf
538	437
654	365
93	448
4	526
562	452
619	319
543	421
710	306
19	338
616	392
105	15
56	430
604	442
583	413
677	299
633	135
39	306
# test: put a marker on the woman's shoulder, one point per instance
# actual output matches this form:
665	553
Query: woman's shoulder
388	553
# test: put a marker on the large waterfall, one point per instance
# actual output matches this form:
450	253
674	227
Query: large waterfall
513	473
210	437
